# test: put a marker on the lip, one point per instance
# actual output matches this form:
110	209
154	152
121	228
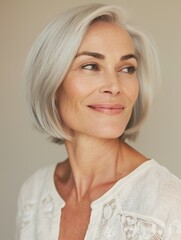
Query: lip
110	109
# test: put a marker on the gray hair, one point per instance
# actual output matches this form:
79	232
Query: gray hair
54	51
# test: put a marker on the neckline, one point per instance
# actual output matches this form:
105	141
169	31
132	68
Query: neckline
58	199
121	182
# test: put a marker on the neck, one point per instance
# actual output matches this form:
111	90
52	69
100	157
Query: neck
90	159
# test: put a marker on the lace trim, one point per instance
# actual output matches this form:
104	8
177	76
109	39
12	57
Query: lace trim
116	225
48	206
108	211
174	230
136	227
30	210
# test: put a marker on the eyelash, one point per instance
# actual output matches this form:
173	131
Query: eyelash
129	70
94	67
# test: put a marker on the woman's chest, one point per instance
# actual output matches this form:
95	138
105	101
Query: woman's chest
113	223
74	222
107	221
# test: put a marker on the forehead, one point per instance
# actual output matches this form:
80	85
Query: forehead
101	35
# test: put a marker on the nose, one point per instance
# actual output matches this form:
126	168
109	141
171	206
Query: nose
111	84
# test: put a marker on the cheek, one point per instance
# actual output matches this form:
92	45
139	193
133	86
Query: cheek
136	90
71	93
76	87
65	101
133	91
74	92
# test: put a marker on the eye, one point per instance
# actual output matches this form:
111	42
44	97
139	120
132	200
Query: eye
129	70
90	67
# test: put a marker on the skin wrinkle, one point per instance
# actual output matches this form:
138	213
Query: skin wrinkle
97	158
104	188
86	127
101	56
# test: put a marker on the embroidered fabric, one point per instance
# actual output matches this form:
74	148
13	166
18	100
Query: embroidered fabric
29	211
139	228
174	230
47	206
120	225
136	208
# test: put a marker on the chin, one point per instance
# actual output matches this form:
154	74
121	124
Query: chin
107	133
101	131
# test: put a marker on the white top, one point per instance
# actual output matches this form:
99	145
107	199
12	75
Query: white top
144	205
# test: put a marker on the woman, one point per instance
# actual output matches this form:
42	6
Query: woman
90	78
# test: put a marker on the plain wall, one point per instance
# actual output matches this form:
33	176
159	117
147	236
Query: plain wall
23	149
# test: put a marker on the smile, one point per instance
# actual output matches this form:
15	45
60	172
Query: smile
110	109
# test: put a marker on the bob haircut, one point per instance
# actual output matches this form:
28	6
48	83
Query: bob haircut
54	51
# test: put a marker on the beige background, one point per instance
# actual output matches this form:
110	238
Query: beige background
22	149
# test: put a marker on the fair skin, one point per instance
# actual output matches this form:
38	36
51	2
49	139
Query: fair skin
96	100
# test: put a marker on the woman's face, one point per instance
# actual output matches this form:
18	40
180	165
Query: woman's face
97	95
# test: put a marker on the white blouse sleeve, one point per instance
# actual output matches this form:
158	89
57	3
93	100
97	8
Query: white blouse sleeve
25	215
28	204
174	230
174	223
19	216
174	226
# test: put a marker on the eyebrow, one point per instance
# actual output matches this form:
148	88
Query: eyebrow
92	54
128	56
102	57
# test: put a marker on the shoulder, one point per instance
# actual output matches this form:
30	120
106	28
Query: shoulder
152	190
34	185
163	184
28	201
34	188
165	180
166	191
153	194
